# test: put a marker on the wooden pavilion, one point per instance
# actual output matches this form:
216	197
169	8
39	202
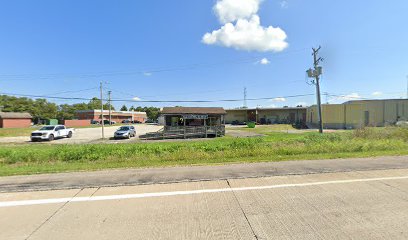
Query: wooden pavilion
192	122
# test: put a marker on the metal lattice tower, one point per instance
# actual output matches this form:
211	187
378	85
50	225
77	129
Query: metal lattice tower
245	97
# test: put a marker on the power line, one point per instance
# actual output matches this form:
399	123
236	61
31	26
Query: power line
195	92
72	91
157	70
157	101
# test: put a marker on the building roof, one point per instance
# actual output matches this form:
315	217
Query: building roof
276	109
375	100
15	115
107	111
193	110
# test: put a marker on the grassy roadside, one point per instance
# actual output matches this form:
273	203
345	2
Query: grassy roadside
16	132
275	146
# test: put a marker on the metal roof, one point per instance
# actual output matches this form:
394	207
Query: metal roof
260	109
194	110
376	100
107	111
15	115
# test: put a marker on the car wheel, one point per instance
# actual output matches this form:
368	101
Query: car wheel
129	136
51	138
69	135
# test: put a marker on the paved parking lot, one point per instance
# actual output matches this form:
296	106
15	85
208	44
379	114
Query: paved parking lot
87	135
352	205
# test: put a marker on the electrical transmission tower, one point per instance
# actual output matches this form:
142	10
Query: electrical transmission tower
315	73
245	97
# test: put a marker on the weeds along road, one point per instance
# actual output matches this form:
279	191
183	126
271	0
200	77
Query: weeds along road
343	205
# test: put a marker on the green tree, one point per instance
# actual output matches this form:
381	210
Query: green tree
123	108
95	103
151	112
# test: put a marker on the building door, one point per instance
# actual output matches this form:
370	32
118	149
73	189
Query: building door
366	118
292	117
252	116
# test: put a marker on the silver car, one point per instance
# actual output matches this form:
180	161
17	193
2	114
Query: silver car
125	132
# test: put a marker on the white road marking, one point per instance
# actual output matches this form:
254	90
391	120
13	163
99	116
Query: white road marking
175	193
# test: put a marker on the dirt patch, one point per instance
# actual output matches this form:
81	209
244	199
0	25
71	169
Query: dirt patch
242	134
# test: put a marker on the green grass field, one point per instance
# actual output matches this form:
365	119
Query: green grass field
16	132
275	146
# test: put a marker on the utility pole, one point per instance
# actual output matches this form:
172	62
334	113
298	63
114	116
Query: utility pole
407	86
315	73
103	121
245	97
110	108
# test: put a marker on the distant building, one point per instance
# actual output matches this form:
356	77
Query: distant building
117	116
360	113
286	115
15	120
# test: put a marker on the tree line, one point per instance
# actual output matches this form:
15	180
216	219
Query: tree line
152	112
43	109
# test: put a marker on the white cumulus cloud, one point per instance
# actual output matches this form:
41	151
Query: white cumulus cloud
278	99
232	10
264	61
377	93
137	98
242	28
351	96
284	4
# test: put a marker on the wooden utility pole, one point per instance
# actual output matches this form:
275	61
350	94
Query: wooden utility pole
103	121
315	73
110	108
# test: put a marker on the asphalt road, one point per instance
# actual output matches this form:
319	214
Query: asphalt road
342	205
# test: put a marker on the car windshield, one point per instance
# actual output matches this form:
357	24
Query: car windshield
123	129
47	128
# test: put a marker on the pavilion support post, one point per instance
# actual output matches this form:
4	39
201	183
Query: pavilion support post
216	129
205	127
184	122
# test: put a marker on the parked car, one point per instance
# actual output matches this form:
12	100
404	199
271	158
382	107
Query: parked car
151	121
125	132
236	122
136	121
126	121
51	132
95	122
106	122
402	124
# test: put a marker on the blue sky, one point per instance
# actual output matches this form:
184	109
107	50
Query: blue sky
49	47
